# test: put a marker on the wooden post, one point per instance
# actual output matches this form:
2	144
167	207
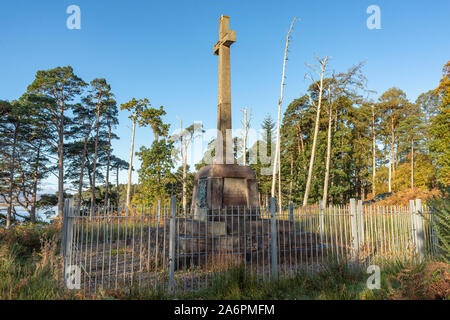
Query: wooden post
354	230
274	239
172	245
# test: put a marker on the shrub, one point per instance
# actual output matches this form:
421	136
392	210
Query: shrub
441	223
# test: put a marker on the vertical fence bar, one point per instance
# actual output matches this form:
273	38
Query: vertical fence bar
354	230
172	245
413	225
321	224
434	233
360	224
291	211
64	228
67	236
419	227
274	239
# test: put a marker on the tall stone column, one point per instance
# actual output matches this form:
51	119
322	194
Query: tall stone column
222	48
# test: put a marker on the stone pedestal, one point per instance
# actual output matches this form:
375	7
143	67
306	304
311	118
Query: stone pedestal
225	190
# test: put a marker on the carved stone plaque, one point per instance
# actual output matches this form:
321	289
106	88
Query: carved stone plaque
234	192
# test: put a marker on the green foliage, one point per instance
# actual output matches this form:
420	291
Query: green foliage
440	207
155	174
27	238
440	133
424	176
30	267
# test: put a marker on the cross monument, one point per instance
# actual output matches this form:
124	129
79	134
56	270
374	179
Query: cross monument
222	48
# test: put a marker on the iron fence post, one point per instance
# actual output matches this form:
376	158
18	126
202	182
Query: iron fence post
67	236
360	224
321	218
172	245
291	211
354	230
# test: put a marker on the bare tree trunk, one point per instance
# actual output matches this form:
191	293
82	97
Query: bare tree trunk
277	150
183	155
95	162
11	178
83	162
373	152
245	138
280	204
392	148
327	170
35	183
397	148
390	171
412	163
316	131
363	189
300	144
118	191
291	178
108	163
131	163
61	164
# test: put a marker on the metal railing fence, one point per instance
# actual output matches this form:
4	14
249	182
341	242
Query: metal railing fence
166	248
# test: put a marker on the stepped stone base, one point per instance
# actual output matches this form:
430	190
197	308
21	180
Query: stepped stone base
239	239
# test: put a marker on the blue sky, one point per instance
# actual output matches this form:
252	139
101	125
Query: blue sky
162	50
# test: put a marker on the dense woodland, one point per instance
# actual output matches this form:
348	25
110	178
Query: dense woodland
337	142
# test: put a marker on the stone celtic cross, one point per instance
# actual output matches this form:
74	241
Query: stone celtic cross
222	48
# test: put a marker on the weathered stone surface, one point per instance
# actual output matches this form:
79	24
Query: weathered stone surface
258	226
192	244
222	48
198	245
201	228
226	187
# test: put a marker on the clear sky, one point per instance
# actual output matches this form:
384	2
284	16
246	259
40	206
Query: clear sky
162	50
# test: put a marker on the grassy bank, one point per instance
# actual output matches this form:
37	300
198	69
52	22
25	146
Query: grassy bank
31	268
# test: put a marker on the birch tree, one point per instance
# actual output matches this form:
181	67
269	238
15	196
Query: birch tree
246	124
280	101
318	104
185	138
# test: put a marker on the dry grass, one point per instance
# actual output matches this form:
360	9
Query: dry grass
29	273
